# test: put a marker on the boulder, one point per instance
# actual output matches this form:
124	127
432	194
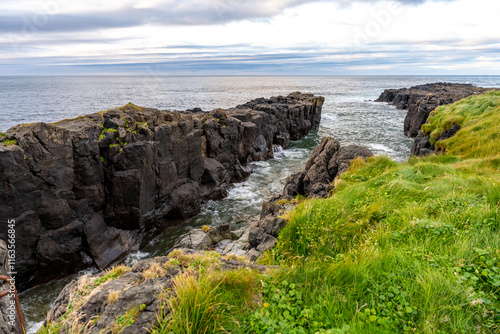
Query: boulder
194	239
327	161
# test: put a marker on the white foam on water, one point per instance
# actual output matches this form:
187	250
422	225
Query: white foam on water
132	258
33	327
380	148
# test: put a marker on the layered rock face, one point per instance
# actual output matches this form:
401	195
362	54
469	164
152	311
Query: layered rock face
328	161
92	189
423	99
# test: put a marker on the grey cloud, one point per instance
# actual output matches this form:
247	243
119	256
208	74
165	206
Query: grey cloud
173	12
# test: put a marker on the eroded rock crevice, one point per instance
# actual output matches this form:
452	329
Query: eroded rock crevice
92	189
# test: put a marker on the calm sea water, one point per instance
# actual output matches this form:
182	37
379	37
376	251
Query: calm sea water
349	115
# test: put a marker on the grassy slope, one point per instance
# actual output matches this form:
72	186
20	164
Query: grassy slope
398	248
408	247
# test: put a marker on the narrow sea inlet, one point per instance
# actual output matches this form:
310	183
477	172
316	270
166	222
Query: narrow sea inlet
349	114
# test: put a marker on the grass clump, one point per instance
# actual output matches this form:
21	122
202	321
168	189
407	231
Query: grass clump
479	120
8	143
127	318
210	302
408	247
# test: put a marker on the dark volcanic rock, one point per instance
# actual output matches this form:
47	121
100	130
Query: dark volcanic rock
92	189
328	161
422	100
422	145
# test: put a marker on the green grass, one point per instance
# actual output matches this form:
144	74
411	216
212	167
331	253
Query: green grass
408	247
127	319
207	300
9	142
479	119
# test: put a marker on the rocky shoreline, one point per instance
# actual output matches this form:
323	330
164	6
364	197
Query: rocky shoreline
88	191
326	163
420	101
145	283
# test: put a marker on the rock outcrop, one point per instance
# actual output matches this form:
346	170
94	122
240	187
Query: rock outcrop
328	161
422	144
250	241
421	100
92	189
137	295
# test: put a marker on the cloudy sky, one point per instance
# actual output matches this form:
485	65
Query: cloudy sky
245	37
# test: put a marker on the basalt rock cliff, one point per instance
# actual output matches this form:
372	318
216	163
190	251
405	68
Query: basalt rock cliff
328	161
421	100
92	189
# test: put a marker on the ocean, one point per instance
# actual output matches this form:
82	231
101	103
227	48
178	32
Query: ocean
349	115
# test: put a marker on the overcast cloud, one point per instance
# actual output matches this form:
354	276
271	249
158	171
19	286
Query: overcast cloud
249	37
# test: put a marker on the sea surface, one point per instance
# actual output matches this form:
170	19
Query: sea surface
349	115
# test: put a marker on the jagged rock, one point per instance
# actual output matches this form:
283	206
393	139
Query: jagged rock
219	233
423	99
114	180
327	161
194	239
108	244
144	287
270	208
422	145
267	243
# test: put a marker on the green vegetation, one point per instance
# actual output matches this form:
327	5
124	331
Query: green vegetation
208	303
398	248
206	300
127	319
69	321
9	142
479	120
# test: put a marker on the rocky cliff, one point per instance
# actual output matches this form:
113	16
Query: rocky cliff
328	161
421	100
92	189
